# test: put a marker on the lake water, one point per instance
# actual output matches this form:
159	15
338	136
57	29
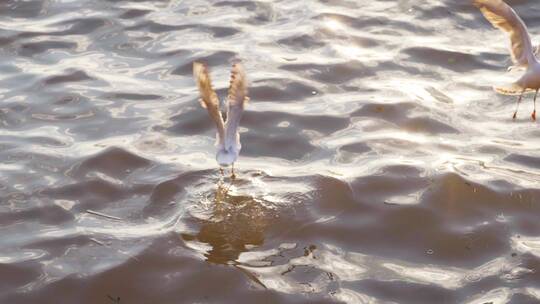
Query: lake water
378	165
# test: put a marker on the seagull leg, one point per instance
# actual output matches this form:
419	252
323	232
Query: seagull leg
517	106
533	115
233	176
221	171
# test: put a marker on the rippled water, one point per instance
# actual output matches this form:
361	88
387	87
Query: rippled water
378	166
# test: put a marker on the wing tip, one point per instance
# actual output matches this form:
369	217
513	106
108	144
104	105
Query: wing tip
238	83
487	2
204	84
480	3
199	68
513	89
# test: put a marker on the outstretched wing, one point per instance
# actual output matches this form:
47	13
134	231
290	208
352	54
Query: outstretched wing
209	99
502	16
236	100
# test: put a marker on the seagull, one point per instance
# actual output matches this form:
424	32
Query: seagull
227	137
502	16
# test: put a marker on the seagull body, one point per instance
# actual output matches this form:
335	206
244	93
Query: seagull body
502	16
227	137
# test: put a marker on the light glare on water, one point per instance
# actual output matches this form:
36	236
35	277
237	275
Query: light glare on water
377	163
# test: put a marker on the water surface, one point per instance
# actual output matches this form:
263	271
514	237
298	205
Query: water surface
378	166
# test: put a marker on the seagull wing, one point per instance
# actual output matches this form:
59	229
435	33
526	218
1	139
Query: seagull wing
209	99
236	100
502	16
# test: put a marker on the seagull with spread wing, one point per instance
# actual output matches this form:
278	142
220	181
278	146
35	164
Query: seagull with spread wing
502	16
227	138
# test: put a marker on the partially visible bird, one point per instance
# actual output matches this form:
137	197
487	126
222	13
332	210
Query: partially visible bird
502	16
227	138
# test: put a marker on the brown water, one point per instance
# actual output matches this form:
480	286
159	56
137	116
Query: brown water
378	166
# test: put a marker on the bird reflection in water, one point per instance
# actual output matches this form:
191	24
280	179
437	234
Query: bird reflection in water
237	223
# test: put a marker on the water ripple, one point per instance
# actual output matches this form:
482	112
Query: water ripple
377	165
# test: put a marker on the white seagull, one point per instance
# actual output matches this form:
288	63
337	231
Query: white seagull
227	137
502	16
